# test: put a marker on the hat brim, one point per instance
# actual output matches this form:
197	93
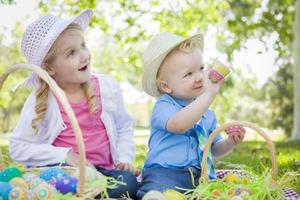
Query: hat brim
81	19
150	73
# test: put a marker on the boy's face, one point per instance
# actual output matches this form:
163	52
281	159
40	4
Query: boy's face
181	74
72	62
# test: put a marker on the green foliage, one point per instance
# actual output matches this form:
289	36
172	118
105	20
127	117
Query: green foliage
260	19
279	94
4	2
125	27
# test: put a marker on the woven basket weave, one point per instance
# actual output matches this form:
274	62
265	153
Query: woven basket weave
288	193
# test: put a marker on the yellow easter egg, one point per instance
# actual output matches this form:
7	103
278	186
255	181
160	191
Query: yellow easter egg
232	179
245	181
19	182
153	195
174	195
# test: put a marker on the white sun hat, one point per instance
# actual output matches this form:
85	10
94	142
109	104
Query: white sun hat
155	53
41	34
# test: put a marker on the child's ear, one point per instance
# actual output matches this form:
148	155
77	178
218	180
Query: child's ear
164	87
48	68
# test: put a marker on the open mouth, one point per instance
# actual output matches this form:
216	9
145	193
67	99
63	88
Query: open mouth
83	68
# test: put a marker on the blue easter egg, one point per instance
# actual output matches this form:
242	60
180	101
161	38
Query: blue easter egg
52	173
5	189
66	185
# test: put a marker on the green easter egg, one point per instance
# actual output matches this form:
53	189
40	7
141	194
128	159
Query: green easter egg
10	173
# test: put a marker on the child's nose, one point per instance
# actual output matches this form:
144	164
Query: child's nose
84	55
199	76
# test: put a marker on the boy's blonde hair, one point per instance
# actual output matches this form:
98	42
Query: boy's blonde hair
186	46
43	88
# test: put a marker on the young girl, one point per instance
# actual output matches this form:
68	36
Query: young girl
181	119
44	135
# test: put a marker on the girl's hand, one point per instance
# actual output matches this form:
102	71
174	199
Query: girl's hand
73	160
236	134
128	167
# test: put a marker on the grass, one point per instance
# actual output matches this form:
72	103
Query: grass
250	155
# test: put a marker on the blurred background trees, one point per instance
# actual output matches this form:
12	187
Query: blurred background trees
121	30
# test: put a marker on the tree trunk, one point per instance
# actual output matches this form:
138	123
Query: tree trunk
296	128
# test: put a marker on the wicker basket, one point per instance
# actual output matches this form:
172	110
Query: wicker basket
82	191
288	193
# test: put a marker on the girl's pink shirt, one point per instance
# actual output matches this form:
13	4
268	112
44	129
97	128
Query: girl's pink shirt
97	145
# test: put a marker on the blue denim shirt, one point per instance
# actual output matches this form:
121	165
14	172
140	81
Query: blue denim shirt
171	150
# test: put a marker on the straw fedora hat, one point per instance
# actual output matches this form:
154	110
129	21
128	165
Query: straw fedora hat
42	33
154	55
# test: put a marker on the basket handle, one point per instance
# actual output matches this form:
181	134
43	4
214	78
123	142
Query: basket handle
270	144
59	93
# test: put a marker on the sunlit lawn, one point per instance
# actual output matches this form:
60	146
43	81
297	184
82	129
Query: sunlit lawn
250	155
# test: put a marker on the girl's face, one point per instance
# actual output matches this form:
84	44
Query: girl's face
71	65
182	74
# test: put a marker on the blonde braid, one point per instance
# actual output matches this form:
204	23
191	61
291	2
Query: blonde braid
90	94
41	104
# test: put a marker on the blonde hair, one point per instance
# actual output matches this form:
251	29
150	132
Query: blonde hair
186	46
43	88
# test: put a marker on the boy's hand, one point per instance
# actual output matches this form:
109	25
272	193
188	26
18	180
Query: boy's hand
236	134
211	87
128	167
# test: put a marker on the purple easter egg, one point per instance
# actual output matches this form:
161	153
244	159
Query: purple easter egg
66	185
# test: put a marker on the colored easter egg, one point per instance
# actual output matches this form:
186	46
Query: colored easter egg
66	185
216	192
18	193
5	189
174	195
18	182
245	181
245	192
52	182
231	192
43	191
154	195
9	173
35	182
237	198
29	176
52	173
232	179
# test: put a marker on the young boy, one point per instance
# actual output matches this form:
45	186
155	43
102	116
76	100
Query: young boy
181	119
